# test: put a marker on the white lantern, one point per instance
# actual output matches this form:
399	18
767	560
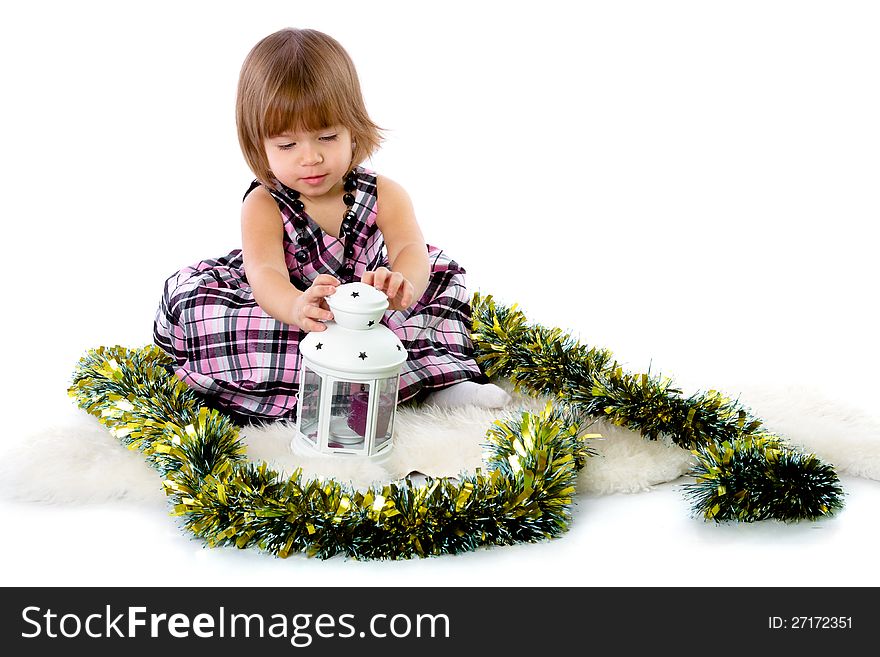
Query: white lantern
349	376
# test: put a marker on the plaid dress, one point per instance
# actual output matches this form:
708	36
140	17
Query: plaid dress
247	363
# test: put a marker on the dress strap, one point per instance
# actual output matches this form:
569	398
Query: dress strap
253	186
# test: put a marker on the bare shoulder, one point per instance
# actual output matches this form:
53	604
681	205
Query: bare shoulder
259	208
391	193
395	217
262	232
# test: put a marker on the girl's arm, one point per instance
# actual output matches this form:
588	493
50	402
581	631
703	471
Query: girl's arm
263	252
407	251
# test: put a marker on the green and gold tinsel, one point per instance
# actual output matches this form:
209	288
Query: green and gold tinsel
743	472
524	493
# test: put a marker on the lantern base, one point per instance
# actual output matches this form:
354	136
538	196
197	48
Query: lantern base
304	447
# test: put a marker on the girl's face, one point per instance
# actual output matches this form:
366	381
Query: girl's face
312	163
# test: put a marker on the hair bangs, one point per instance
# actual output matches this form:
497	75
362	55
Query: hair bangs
303	105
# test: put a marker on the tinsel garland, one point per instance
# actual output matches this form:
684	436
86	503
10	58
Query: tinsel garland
742	473
523	494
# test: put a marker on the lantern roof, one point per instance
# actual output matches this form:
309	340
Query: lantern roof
356	342
355	304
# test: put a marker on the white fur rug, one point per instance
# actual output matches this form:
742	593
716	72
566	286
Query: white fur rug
79	461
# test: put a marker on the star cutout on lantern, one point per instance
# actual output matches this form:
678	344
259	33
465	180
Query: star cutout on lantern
398	347
363	355
370	323
355	294
319	345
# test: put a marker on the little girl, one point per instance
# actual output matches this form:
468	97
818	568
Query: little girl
312	219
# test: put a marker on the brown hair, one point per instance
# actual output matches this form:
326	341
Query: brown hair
299	80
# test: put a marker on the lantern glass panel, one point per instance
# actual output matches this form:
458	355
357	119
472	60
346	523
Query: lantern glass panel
387	390
310	403
349	408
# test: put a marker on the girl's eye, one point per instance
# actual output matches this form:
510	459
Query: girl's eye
287	147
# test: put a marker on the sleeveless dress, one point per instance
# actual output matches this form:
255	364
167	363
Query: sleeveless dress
246	363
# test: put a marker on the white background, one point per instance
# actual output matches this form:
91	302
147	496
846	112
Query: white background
692	185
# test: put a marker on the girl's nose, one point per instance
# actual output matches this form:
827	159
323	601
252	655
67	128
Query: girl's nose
311	156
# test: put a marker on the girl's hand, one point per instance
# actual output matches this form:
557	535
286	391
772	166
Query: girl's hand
398	290
311	307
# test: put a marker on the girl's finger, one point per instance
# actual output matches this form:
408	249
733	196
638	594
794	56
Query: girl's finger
321	291
380	277
406	298
367	278
315	312
326	279
394	283
312	325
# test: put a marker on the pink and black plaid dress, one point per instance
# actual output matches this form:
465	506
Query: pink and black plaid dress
247	363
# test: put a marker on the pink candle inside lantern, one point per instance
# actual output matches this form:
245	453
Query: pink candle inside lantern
357	418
